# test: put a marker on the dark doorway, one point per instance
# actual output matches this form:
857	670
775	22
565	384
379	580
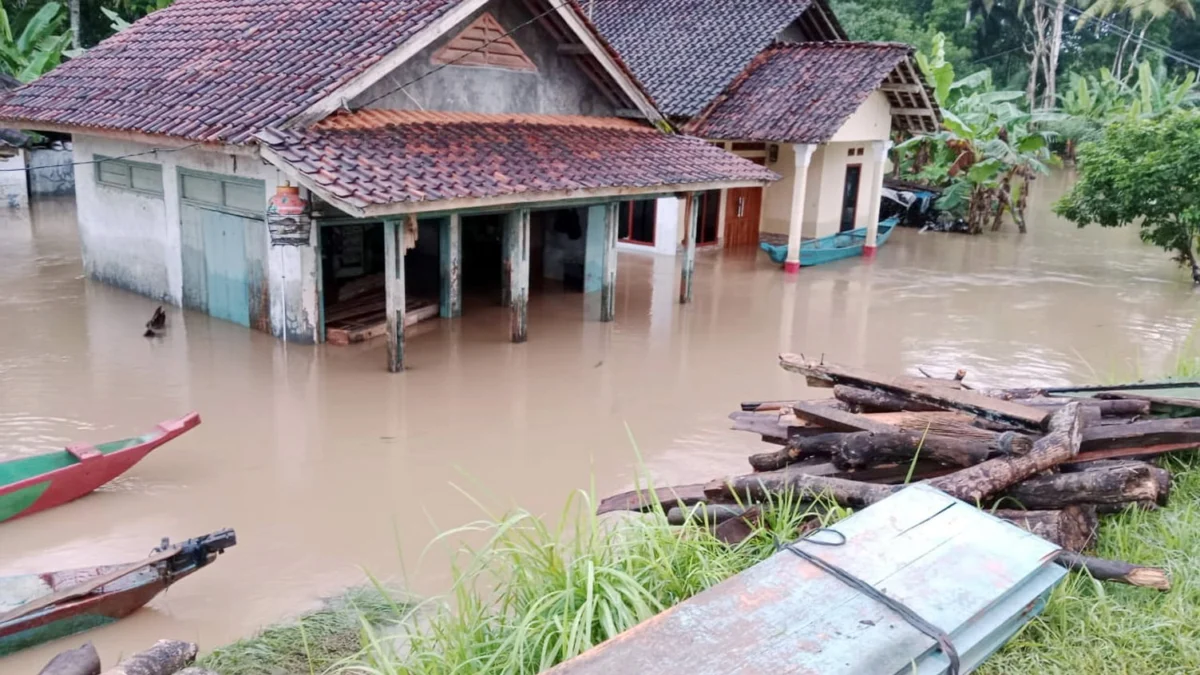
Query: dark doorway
482	253
637	222
850	196
710	217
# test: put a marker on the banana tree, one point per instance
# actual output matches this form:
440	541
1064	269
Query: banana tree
38	48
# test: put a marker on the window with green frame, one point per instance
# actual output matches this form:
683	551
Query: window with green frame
135	176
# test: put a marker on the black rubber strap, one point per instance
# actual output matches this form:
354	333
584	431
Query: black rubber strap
914	619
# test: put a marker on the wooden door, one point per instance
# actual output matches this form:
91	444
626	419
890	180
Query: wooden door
743	207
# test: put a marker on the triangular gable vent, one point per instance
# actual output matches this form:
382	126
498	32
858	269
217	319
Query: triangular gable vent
481	44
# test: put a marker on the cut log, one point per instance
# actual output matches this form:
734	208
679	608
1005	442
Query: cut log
81	661
643	500
1073	528
164	658
734	531
1142	433
980	482
758	487
771	406
1117	484
877	401
862	449
1117	571
1161	405
704	513
825	374
1115	408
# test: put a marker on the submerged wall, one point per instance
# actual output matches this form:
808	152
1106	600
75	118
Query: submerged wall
14	192
133	240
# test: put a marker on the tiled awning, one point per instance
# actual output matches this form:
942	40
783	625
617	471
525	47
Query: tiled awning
382	162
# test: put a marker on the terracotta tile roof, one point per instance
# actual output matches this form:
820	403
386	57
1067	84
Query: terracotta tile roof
686	51
218	70
799	93
375	158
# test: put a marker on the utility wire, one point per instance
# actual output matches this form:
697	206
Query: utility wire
152	151
1124	32
485	45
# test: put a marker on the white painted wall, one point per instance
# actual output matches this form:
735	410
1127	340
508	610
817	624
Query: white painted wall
132	240
668	213
14	192
871	122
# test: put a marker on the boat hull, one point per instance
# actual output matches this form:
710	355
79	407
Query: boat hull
834	247
33	484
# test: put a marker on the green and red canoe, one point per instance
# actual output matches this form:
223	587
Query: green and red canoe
39	482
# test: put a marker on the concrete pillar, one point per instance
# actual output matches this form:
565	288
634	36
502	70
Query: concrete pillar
516	260
608	283
596	239
393	281
450	250
804	153
689	248
879	150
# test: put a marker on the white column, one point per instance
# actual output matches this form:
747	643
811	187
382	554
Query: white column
804	153
393	281
879	150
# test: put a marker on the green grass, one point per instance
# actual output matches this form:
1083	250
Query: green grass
535	595
309	644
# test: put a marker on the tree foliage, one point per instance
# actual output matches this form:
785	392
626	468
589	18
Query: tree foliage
37	46
1143	171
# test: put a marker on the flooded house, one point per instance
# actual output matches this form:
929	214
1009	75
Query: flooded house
340	168
776	82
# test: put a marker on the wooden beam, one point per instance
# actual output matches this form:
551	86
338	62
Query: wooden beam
573	49
450	305
517	262
689	248
393	275
839	420
828	374
922	112
608	283
901	88
630	113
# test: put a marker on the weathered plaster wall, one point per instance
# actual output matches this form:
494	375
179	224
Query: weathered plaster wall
133	241
50	172
777	199
558	86
14	193
871	122
126	237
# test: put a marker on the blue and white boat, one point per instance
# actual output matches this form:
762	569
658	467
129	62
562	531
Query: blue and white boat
833	247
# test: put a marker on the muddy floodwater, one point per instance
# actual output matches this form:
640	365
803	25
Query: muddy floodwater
329	467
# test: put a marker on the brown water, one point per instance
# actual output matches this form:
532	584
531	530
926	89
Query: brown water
329	466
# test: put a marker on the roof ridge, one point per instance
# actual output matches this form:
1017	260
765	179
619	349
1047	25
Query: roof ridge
374	118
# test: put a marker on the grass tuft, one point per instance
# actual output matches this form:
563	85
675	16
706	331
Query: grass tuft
310	644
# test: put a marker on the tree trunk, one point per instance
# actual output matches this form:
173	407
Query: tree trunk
1119	57
1137	48
1050	97
975	484
1039	52
1117	571
1073	528
164	658
74	16
1115	483
863	449
758	487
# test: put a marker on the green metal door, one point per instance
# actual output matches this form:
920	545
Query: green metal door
224	250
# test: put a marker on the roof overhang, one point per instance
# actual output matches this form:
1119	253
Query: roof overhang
914	108
383	162
159	141
561	18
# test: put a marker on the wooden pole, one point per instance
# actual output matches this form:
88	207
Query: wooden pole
393	265
608	282
451	267
689	248
1117	571
517	262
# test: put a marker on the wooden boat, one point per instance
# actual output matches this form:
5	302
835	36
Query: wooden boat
39	482
833	247
36	608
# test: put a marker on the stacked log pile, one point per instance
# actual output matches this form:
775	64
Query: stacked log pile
1049	464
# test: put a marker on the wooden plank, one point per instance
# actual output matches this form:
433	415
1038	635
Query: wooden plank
921	547
1142	433
642	500
827	374
838	420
